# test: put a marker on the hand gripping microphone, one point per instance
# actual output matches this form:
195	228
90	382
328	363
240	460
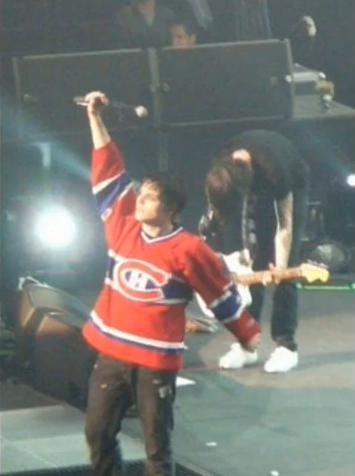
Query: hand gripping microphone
138	111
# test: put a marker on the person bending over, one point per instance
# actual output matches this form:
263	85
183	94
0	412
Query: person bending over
260	179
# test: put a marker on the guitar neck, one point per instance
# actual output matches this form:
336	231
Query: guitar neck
259	277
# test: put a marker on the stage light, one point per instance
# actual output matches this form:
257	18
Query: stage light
55	227
350	180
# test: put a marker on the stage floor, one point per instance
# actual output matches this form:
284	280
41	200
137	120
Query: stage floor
228	423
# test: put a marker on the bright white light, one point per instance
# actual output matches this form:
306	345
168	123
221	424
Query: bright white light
350	180
55	227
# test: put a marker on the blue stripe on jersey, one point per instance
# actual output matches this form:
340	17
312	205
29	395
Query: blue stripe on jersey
228	308
177	290
107	196
131	342
110	265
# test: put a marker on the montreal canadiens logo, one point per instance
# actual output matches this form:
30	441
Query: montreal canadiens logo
140	281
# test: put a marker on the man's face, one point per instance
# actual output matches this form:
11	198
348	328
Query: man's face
149	207
180	38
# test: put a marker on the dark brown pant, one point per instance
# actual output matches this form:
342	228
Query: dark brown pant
114	387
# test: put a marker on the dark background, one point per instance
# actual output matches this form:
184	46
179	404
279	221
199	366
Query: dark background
288	422
56	26
39	27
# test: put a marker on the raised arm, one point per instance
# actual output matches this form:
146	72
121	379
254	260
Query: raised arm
99	133
111	185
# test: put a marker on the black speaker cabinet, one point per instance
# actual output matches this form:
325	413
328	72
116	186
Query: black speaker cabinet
47	84
50	349
226	82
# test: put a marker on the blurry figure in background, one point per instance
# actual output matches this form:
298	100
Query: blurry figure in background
203	18
202	12
230	20
261	182
252	21
302	36
183	33
199	13
144	23
295	21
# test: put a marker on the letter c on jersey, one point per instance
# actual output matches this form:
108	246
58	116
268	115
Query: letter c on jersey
140	281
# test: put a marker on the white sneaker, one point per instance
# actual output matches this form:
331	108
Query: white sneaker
237	357
281	360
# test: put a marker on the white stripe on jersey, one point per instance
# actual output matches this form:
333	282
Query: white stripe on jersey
134	338
100	186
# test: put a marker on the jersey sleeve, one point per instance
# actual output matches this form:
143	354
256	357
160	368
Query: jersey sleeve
207	275
112	188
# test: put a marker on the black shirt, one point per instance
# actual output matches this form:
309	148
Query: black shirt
278	167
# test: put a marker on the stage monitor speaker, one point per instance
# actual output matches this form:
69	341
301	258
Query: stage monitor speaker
50	349
226	82
47	84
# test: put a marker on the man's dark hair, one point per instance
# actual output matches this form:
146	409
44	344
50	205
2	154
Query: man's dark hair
171	190
188	23
227	183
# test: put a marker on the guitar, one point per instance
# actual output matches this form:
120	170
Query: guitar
305	272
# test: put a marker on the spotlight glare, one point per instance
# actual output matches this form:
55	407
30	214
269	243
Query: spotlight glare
350	180
55	227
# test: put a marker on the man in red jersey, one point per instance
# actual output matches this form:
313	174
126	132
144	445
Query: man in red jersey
138	323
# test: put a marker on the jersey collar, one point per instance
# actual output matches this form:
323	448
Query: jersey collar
149	239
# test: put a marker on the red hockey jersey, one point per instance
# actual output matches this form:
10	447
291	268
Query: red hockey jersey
140	314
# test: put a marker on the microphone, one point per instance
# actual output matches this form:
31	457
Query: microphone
139	111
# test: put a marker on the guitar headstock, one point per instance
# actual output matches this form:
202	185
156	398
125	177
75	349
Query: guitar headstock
311	272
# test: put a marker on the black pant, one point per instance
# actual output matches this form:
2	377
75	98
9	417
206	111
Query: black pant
284	316
114	387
